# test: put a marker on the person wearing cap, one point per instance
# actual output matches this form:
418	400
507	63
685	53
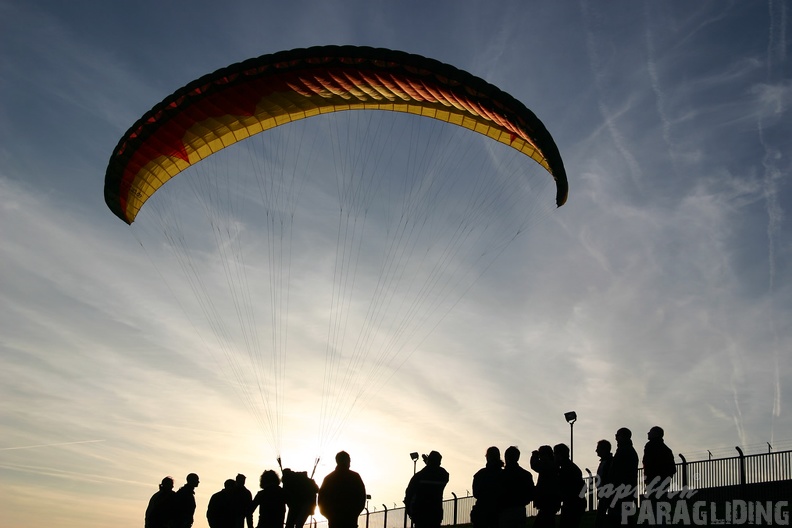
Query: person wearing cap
160	507
423	498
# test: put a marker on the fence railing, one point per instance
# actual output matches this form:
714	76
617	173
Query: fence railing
699	474
732	471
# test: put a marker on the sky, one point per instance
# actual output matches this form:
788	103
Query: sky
658	295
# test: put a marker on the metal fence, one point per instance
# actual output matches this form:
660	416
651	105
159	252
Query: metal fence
699	474
732	471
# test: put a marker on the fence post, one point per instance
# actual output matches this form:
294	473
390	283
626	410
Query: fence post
455	507
684	471
742	465
385	521
590	489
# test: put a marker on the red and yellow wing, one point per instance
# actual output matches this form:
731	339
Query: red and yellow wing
250	97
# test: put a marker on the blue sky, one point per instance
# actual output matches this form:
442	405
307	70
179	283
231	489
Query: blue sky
659	295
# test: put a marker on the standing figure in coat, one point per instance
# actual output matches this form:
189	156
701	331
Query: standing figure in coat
658	463
604	485
423	498
485	488
572	488
223	511
623	476
270	501
159	513
184	503
516	491
342	495
547	498
244	499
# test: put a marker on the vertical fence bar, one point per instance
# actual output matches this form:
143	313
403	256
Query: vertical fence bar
684	471
742	466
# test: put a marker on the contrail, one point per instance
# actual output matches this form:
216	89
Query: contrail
50	445
776	54
609	116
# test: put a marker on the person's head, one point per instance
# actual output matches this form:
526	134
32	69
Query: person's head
240	479
511	455
545	452
561	452
623	434
192	480
230	484
493	455
166	484
433	458
269	478
342	459
603	448
655	433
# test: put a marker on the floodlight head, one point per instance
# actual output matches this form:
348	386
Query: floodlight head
414	456
570	416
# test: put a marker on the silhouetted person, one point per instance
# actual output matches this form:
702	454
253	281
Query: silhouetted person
623	476
270	501
658	464
244	499
300	491
184	503
547	498
223	508
424	495
571	486
604	491
516	491
159	512
342	495
486	484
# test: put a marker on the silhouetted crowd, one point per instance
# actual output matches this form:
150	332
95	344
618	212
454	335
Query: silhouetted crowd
341	498
502	489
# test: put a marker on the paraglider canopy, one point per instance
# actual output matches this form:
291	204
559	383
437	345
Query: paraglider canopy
247	98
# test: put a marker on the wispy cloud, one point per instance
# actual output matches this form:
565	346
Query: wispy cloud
57	444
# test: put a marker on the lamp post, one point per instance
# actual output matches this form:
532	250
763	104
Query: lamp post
570	417
414	457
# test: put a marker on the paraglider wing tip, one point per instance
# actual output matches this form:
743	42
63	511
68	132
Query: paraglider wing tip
562	192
